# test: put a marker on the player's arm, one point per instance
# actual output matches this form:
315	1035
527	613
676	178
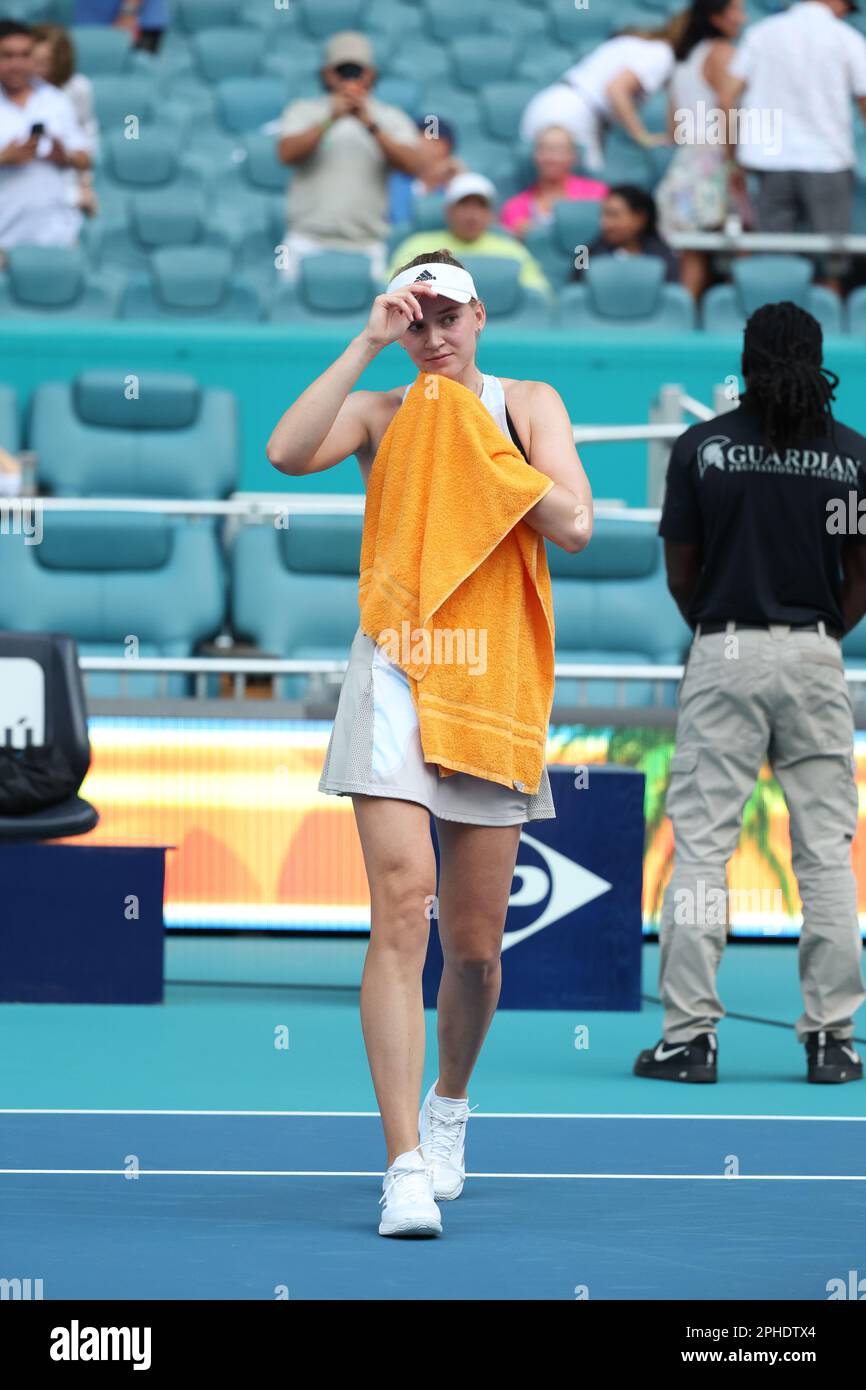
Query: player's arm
564	514
683	563
853	584
326	424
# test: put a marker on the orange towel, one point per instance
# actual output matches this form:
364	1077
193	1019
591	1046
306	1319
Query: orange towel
455	587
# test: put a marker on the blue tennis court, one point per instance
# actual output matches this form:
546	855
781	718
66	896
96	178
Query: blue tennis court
174	1153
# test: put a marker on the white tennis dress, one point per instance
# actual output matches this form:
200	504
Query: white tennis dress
375	744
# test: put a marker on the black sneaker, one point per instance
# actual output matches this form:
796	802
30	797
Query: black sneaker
691	1061
832	1059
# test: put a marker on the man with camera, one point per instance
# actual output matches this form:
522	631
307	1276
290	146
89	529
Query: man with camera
343	145
40	138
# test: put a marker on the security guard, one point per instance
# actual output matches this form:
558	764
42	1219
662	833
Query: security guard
766	563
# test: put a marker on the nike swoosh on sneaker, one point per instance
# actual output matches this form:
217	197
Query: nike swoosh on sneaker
849	1052
662	1056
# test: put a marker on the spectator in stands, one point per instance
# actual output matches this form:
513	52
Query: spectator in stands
469	208
801	68
629	228
554	154
10	474
441	166
693	196
343	145
607	86
40	139
146	20
54	60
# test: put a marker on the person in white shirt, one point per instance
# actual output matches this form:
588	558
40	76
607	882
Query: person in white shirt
54	60
605	87
796	73
40	139
693	196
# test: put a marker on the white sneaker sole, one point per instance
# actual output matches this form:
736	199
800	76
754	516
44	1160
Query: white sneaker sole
449	1196
411	1226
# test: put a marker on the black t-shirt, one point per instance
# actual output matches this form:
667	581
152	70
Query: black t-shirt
771	526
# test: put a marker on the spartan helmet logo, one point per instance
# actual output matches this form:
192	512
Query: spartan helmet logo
712	453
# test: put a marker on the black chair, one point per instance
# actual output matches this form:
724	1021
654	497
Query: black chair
65	719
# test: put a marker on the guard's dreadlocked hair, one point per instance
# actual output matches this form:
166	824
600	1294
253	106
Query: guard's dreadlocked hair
787	386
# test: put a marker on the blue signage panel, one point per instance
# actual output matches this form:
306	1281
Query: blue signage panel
81	924
573	930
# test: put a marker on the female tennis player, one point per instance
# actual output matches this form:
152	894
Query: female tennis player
375	754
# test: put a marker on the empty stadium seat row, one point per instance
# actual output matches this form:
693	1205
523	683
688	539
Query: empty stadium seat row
200	282
156	587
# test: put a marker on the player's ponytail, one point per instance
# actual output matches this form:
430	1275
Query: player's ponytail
787	385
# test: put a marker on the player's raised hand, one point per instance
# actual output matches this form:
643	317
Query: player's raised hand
392	313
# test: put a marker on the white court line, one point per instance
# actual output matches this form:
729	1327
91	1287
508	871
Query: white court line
312	1173
486	1115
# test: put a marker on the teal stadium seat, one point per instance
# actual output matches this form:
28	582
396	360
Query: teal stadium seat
543	63
445	20
613	607
103	49
575	222
102	577
389	18
321	18
173	438
245	103
308	572
428	213
10	419
626	163
190	16
56	282
509	304
443	98
191	282
403	92
116	97
582	30
761	280
492	57
524	22
153	221
627	294
336	287
501	105
222	52
150	164
414	56
857	312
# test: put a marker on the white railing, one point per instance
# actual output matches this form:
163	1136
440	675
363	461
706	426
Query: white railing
784	243
327	675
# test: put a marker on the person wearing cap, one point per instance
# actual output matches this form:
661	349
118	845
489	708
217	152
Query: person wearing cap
342	146
440	168
803	67
469	210
432	309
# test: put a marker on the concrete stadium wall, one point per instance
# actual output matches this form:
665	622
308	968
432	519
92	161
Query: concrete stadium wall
602	379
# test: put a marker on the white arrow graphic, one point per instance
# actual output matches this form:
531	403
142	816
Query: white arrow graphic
573	887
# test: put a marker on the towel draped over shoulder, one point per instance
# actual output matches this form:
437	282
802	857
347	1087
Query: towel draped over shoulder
455	586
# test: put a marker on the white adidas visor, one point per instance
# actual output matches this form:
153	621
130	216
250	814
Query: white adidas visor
449	280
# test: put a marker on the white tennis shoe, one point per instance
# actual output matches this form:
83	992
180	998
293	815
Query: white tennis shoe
442	1132
407	1198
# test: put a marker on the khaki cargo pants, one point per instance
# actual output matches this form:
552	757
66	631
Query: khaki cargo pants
748	696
